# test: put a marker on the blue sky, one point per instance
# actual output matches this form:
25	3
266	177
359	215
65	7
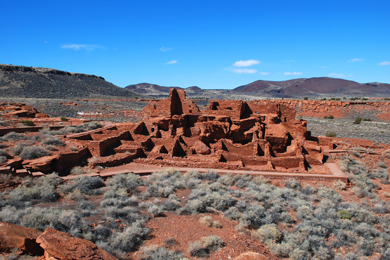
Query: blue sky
211	44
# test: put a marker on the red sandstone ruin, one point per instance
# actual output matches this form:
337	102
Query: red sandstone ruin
230	134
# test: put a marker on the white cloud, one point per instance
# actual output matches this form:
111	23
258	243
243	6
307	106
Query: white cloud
244	71
264	73
293	73
385	63
171	62
337	75
245	63
87	47
165	48
355	60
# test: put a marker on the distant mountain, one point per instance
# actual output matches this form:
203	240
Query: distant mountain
314	87
22	81
160	91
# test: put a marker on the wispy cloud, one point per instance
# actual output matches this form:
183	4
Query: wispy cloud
324	67
384	63
87	47
355	60
171	62
264	73
293	73
337	75
245	63
244	71
163	48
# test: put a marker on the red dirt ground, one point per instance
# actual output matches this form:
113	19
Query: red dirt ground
187	229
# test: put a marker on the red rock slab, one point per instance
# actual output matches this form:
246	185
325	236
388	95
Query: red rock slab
251	256
12	236
63	246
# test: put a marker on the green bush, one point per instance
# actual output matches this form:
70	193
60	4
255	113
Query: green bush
64	119
357	121
343	214
305	98
366	119
27	122
331	134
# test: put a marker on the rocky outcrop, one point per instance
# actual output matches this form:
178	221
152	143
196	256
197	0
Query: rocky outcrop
22	81
60	245
14	236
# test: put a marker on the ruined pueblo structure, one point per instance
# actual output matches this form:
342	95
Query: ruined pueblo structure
229	134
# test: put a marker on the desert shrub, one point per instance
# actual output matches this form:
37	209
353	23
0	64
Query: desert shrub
192	174
208	222
88	126
153	209
286	217
226	179
339	185
33	152
16	149
210	176
85	205
357	121
158	191
232	213
68	221
172	203
75	195
194	206
27	122
203	248
308	190
242	181
64	119
85	184
3	159
14	136
128	240
260	180
292	184
197	249
380	209
154	252
41	191
213	243
253	215
331	134
366	119
52	140
129	181
329	117
170	242
77	170
4	153
268	234
305	98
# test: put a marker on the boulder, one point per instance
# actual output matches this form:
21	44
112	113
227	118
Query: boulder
201	148
251	256
60	245
12	236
